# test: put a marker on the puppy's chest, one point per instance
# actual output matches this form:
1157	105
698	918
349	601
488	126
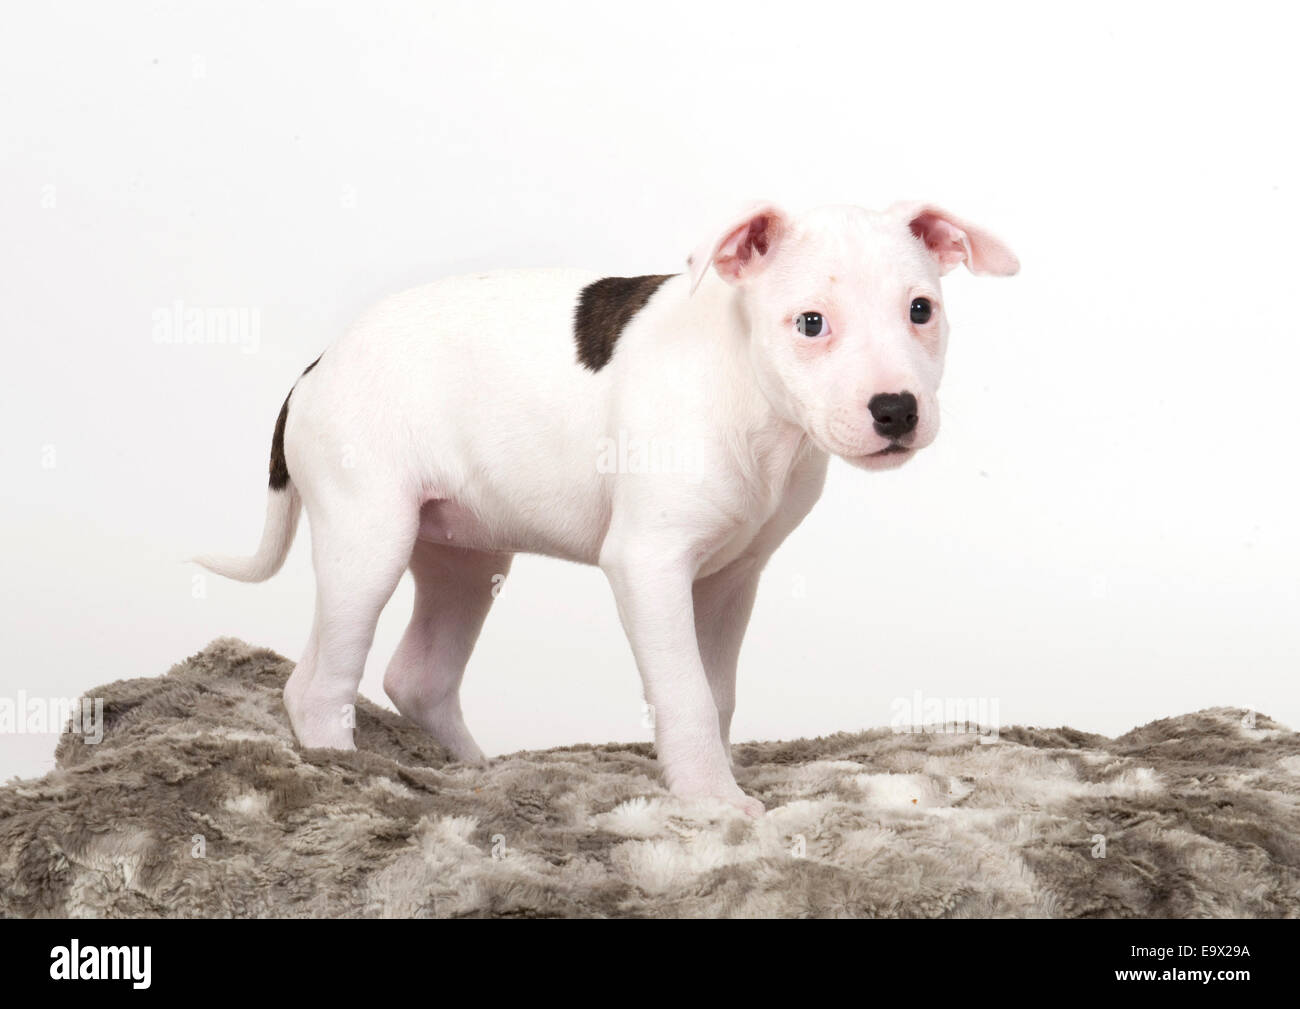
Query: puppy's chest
755	531
736	544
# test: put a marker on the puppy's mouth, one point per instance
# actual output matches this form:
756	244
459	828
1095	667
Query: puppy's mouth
850	446
892	455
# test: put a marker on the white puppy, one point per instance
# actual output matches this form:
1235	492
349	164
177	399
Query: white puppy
671	429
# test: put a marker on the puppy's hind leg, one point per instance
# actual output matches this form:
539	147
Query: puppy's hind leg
454	589
359	549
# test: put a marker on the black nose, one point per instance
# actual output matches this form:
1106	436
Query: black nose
894	413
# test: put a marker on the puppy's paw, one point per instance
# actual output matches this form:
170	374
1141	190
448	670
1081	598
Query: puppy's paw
729	794
747	804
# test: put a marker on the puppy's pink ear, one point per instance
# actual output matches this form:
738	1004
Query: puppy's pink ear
952	241
743	248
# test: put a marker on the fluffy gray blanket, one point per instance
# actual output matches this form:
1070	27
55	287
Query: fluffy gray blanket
198	803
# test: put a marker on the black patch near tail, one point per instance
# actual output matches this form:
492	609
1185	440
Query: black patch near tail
605	307
280	468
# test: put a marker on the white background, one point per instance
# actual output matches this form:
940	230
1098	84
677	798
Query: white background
1104	533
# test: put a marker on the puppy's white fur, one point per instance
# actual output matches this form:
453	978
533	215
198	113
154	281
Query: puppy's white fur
453	427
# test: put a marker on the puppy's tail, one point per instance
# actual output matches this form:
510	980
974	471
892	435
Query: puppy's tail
283	508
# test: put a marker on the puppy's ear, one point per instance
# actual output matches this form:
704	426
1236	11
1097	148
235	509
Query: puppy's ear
742	248
952	241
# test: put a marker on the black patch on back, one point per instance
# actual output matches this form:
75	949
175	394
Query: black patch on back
280	468
605	307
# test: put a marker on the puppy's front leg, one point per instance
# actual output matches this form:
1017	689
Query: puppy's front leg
723	603
652	586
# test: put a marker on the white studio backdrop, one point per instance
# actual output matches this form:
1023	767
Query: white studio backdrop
1103	534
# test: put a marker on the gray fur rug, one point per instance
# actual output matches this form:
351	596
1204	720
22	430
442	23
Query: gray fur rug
198	803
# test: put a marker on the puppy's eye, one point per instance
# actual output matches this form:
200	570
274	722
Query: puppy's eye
921	310
810	323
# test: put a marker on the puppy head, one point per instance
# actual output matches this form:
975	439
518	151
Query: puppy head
846	316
